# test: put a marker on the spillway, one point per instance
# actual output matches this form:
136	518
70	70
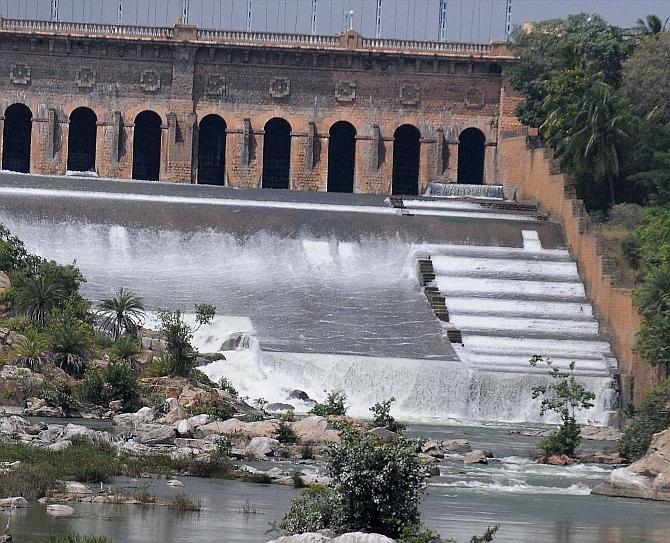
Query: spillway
327	287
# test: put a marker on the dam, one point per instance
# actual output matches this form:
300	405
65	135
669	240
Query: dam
332	289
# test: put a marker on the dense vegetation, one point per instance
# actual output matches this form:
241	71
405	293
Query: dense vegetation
653	416
599	97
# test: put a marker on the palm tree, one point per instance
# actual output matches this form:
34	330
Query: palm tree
70	343
122	314
32	351
596	135
37	297
651	25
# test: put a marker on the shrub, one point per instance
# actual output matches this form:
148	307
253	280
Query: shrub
310	512
653	416
114	382
226	385
71	342
382	417
334	405
36	297
215	411
417	533
125	347
631	248
68	536
58	394
122	314
627	215
307	452
285	434
31	352
184	503
563	396
160	366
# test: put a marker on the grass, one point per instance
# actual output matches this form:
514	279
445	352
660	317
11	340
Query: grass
40	469
185	503
69	536
259	478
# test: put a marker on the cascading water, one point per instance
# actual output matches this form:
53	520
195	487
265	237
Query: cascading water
340	309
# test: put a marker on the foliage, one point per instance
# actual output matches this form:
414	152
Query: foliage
564	396
416	533
160	366
184	503
37	297
646	82
68	536
31	352
285	434
653	416
651	25
215	411
125	347
178	336
310	512
335	404
121	314
226	385
71	341
58	394
382	417
13	254
114	382
487	536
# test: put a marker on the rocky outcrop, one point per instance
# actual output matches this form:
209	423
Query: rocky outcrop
600	433
315	430
475	457
647	478
18	502
354	537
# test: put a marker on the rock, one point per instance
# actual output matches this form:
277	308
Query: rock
16	384
598	433
298	395
176	412
238	428
279	407
432	448
13	424
260	447
18	502
475	457
76	490
359	537
601	457
458	446
60	445
198	420
559	460
5	283
158	435
184	428
647	478
314	430
174	482
384	434
116	405
235	341
207	358
59	510
303	538
132	420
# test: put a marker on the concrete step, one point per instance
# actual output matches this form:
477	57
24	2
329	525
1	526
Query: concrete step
519	326
479	287
510	268
471	251
506	307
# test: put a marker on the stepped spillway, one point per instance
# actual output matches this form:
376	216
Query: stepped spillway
326	285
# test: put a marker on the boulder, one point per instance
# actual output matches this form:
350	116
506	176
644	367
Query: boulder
76	490
559	460
157	435
59	510
279	407
13	425
116	405
475	457
18	502
432	448
600	433
176	412
238	428
184	428
207	358
314	430
384	434
132	420
60	445
261	447
303	538
359	537
198	420
235	341
175	482
298	395
647	478
5	283
16	383
457	446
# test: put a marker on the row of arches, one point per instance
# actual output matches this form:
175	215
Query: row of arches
211	150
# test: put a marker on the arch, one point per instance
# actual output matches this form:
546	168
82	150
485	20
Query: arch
341	157
16	138
82	140
212	150
147	146
406	149
276	154
471	147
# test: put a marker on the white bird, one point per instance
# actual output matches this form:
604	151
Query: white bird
101	486
9	521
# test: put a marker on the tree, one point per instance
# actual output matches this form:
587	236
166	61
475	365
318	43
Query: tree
335	404
651	25
564	396
37	297
382	417
121	314
653	416
31	352
178	336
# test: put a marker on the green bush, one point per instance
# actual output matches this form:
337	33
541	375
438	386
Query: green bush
160	366
215	411
115	382
58	394
653	416
31	352
285	434
125	347
226	385
335	404
310	512
71	341
382	417
631	248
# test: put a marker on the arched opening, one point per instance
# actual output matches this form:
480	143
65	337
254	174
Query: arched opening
406	160
471	156
147	146
16	136
341	157
212	151
276	154
81	140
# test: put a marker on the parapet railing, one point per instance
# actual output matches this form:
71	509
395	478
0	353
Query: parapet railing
191	33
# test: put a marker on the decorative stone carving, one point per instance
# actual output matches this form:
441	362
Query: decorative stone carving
409	94
474	98
20	74
345	91
216	86
150	80
280	87
86	78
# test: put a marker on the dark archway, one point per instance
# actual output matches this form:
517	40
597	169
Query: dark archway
82	140
471	145
212	151
16	136
341	157
276	154
147	146
406	149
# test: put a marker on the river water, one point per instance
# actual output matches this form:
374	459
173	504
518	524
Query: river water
531	502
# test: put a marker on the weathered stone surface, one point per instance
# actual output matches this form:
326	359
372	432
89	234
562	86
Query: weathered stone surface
384	434
315	430
176	412
59	510
184	428
158	435
18	502
599	433
475	457
260	447
647	478
458	446
315	537
76	490
303	538
559	460
238	428
279	407
131	420
298	395
235	341
16	383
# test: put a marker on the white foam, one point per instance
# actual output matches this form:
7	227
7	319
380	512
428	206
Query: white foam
576	489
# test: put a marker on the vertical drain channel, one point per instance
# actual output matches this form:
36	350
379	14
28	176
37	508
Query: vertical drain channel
435	298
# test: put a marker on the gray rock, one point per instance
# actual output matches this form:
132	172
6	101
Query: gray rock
176	412
77	490
184	428
235	341
458	446
60	445
59	510
384	434
18	502
159	435
298	395
279	407
260	447
475	457
303	538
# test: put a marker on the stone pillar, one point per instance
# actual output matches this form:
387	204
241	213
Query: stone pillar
2	130
48	149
